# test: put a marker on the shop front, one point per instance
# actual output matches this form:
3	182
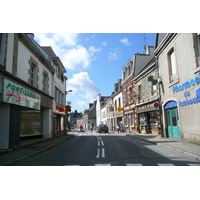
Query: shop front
26	113
148	118
59	121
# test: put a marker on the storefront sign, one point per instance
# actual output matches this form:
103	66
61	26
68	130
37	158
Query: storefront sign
191	100
146	107
60	109
187	84
18	95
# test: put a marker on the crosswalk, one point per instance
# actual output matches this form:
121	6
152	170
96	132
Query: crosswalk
140	164
89	133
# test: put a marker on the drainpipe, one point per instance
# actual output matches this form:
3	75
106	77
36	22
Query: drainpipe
159	97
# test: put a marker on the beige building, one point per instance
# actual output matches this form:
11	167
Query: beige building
177	56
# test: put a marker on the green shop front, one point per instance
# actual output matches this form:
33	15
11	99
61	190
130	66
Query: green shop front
21	113
172	120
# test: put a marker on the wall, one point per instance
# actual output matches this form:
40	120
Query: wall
183	45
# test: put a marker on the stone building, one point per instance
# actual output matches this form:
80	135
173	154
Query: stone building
177	56
147	103
132	69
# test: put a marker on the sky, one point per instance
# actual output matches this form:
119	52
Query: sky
93	61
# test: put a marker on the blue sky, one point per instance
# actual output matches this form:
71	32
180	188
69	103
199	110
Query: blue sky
93	61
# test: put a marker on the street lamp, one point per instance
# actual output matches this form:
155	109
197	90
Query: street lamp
68	91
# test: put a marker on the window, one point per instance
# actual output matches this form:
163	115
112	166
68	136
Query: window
139	92
33	75
2	47
119	102
124	76
153	89
198	46
172	66
126	98
46	79
131	94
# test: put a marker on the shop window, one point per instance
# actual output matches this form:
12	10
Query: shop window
173	76
30	123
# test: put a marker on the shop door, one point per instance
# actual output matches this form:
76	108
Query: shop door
172	123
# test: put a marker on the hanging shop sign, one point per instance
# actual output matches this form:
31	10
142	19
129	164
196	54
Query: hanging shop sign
18	95
60	108
68	108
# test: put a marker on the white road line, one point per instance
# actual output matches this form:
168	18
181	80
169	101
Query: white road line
134	164
102	143
98	143
102	164
72	165
103	153
194	164
98	153
165	164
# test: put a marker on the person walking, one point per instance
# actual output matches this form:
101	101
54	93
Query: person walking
81	127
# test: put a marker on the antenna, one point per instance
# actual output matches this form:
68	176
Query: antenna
144	46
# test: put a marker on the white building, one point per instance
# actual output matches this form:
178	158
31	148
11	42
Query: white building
59	92
26	90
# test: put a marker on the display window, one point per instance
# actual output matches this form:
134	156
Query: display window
148	122
30	123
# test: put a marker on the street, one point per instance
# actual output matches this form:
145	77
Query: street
100	149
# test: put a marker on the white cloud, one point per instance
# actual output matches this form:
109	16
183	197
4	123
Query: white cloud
66	46
82	104
75	57
114	54
104	43
125	41
93	49
83	86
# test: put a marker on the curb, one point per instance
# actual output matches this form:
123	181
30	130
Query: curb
36	152
181	151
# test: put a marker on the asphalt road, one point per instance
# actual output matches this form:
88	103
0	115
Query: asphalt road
92	149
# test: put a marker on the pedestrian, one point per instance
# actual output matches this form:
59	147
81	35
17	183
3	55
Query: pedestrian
81	127
117	128
91	127
121	128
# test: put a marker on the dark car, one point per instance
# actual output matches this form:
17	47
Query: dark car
102	128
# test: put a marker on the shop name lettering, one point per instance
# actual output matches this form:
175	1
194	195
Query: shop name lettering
187	84
184	86
19	91
190	101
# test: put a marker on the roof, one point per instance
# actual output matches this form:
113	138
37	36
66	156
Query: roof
50	51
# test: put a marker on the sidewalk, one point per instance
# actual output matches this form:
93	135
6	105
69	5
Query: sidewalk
29	148
179	145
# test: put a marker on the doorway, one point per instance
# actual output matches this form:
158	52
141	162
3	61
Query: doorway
172	120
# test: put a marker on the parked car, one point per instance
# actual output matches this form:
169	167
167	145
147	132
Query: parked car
102	128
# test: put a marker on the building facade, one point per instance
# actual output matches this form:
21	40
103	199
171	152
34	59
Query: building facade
147	103
26	95
59	92
179	69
